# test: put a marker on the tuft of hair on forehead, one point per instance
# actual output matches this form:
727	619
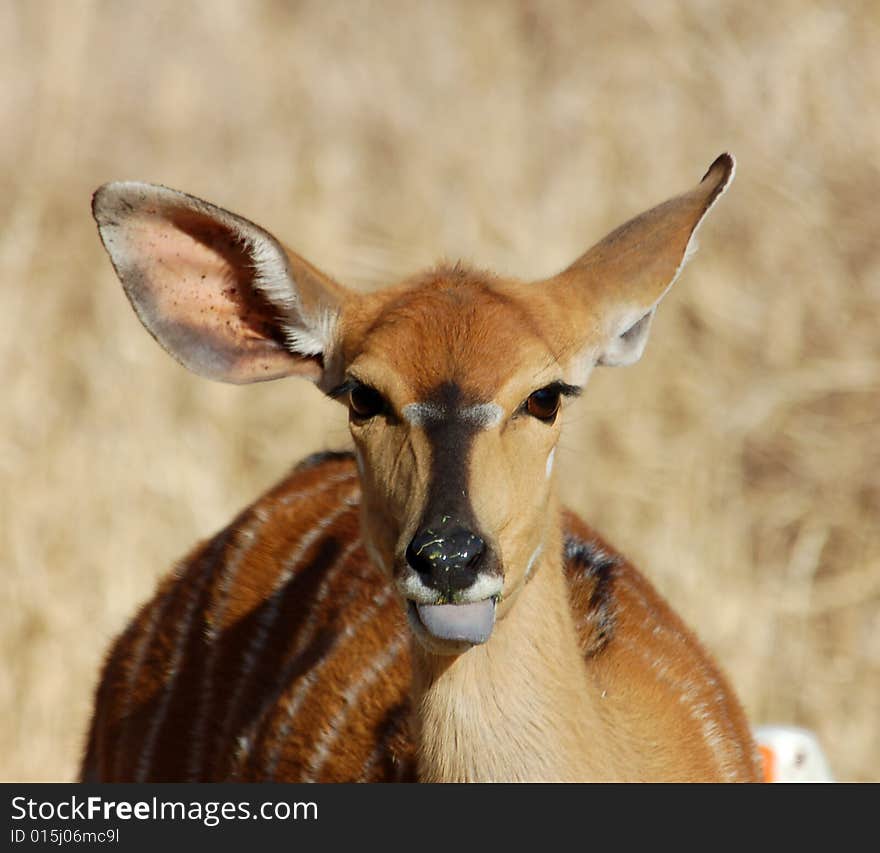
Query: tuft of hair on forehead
455	323
443	287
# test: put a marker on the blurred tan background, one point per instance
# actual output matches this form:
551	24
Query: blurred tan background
738	463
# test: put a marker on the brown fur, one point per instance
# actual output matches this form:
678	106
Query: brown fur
281	651
635	651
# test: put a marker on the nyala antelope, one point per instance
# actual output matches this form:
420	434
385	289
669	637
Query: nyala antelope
422	608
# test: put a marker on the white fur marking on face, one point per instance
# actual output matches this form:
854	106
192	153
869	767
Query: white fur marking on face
549	468
533	559
485	415
415	589
485	586
419	414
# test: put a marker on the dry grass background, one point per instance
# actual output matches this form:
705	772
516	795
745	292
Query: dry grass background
738	463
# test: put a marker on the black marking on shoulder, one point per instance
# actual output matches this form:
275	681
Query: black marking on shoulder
322	456
589	556
586	562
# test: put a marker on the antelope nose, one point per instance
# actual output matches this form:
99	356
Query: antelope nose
446	554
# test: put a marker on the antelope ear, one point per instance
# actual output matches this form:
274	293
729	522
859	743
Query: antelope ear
219	293
624	276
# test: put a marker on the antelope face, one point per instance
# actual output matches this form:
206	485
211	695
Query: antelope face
454	387
454	380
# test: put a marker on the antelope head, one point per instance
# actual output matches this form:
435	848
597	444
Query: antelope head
454	379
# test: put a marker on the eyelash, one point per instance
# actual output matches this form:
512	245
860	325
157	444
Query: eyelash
369	403
533	407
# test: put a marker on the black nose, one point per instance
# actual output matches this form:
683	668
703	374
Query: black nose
446	555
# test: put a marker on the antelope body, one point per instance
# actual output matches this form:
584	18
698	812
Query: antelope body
423	608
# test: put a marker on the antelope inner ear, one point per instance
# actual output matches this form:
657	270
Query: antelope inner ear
218	292
627	347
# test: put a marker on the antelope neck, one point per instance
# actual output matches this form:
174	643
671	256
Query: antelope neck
517	708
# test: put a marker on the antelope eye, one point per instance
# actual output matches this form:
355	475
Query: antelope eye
543	404
365	402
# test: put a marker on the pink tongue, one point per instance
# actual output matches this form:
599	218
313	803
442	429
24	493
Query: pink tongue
472	623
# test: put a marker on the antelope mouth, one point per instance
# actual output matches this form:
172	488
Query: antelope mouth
466	624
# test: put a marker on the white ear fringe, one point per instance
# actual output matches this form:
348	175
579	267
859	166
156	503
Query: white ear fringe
315	338
306	334
271	275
